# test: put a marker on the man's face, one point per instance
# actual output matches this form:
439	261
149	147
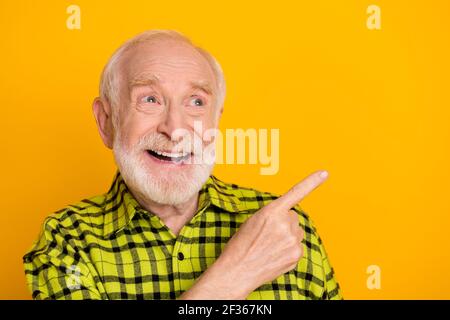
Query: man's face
164	88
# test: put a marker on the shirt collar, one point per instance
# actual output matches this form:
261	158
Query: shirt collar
120	206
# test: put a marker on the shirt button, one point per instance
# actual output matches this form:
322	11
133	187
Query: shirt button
180	256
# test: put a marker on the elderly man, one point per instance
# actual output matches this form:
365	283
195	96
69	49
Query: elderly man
167	228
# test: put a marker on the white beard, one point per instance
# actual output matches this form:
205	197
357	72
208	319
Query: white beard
162	186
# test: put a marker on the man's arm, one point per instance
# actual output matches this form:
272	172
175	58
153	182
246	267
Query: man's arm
332	290
55	270
266	246
218	282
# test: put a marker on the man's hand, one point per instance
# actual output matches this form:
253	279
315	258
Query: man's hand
266	246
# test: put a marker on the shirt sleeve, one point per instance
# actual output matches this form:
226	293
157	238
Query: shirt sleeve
332	290
315	270
55	269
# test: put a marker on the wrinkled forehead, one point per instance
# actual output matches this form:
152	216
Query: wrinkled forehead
166	60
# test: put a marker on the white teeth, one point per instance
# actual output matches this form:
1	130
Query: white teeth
171	155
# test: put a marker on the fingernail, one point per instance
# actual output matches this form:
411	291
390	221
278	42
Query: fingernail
323	174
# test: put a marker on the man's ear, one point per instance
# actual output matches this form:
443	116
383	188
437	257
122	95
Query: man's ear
219	113
103	117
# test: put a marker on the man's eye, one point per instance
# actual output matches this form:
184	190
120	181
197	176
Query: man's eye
196	102
149	99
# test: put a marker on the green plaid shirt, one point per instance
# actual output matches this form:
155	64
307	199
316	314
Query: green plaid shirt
109	247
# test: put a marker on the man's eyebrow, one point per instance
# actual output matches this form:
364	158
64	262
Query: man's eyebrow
204	86
143	80
148	80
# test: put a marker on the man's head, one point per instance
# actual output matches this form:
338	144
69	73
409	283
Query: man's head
154	87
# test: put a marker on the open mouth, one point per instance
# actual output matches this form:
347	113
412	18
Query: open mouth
170	157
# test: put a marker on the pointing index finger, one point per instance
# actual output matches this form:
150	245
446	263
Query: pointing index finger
299	191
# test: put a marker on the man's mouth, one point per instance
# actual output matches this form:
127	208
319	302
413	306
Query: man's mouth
173	157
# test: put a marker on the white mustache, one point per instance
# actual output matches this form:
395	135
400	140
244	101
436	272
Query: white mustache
162	143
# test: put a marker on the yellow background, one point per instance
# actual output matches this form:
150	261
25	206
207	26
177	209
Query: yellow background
372	107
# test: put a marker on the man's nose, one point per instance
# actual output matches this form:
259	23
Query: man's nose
172	120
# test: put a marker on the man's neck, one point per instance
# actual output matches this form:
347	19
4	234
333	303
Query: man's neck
173	216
